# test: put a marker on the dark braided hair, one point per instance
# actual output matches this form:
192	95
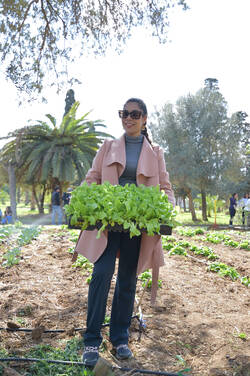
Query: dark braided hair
142	107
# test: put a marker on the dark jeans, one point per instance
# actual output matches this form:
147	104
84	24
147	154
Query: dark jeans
124	295
232	212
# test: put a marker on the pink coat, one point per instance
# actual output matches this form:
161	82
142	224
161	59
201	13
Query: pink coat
108	165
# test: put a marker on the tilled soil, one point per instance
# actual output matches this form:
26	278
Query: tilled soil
195	323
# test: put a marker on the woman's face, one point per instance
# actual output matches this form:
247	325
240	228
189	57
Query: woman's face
131	126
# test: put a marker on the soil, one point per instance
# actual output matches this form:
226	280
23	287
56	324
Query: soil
195	323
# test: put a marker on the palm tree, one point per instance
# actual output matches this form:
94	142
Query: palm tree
54	155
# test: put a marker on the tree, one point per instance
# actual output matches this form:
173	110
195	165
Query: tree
208	131
195	137
52	155
168	132
41	36
238	172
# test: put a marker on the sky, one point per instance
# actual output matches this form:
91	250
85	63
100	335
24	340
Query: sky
211	39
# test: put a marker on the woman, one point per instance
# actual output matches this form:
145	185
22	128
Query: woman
130	159
232	207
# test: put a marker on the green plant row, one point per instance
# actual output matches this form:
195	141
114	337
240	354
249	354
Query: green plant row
12	256
190	231
215	237
180	248
133	207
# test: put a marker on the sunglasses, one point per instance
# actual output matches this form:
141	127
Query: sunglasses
135	114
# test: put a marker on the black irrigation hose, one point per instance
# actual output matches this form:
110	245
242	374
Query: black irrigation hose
56	330
123	369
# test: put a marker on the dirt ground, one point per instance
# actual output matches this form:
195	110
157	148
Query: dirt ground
195	324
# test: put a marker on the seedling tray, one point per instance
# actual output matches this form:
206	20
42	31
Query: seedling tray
164	229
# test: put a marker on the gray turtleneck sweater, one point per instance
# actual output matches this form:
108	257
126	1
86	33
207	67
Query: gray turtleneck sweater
133	149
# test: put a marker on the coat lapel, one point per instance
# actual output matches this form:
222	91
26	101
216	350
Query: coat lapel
117	152
147	164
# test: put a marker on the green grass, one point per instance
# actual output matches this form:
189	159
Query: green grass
23	209
221	218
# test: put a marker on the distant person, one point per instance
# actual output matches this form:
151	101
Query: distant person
7	218
66	199
56	207
243	204
232	207
1	216
66	196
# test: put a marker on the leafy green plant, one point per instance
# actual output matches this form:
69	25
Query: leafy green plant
214	238
231	243
245	281
71	250
74	235
204	251
167	246
245	245
178	250
199	231
168	238
106	319
88	280
224	270
135	208
5	232
11	257
183	243
242	336
190	231
28	234
83	262
146	278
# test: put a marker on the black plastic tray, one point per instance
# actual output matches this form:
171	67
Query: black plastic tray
164	229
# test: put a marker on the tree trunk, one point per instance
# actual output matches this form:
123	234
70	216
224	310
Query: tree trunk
27	197
12	185
32	201
184	205
204	205
18	195
36	198
191	205
42	197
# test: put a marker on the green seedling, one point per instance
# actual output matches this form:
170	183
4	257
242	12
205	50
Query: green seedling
245	281
204	251
178	250
245	245
88	280
183	243
11	257
231	243
27	235
242	336
146	278
224	270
